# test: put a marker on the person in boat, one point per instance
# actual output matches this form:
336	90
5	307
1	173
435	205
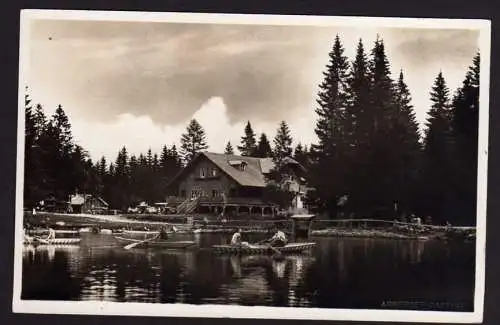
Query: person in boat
236	239
52	234
163	234
27	238
278	239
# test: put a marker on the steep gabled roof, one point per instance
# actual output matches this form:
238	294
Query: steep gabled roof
253	175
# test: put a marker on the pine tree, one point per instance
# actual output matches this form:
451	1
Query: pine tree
407	149
229	149
59	147
31	188
282	142
437	154
248	143
465	127
301	155
332	128
193	141
263	149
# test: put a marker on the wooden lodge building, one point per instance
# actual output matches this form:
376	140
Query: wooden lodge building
87	203
231	185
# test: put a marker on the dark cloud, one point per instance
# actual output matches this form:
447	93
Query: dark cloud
424	46
167	71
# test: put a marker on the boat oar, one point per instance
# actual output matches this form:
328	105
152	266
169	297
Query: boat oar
276	251
129	246
41	240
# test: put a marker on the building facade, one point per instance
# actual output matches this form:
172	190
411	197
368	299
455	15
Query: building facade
87	203
222	183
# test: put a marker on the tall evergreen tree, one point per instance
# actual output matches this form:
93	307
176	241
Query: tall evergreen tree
61	147
301	155
465	127
193	141
407	149
31	188
263	149
282	142
248	143
331	127
229	149
353	172
437	153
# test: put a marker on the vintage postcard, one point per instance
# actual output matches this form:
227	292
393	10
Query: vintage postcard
252	166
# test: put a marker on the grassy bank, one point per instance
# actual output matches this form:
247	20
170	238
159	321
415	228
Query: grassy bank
154	222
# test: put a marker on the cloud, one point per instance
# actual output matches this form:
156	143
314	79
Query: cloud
139	133
138	84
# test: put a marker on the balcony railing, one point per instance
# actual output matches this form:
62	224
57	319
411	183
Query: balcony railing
233	201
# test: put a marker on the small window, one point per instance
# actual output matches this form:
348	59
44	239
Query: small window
215	193
214	172
202	172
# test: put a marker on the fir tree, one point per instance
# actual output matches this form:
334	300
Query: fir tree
193	141
332	128
282	142
301	155
263	149
465	127
437	153
248	143
406	146
229	149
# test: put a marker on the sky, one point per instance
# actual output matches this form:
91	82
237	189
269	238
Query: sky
138	84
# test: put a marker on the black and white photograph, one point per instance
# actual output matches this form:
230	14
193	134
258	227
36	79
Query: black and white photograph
252	166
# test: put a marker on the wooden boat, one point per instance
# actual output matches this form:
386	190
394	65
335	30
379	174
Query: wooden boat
56	241
156	243
292	248
58	232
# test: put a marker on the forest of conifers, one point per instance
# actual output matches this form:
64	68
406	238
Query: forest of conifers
370	149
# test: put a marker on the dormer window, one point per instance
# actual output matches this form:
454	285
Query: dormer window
238	164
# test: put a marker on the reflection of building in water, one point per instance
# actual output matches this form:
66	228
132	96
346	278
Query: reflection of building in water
235	265
341	263
279	268
29	254
100	284
416	251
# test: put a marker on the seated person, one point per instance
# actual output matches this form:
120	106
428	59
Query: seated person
278	239
236	239
163	233
52	234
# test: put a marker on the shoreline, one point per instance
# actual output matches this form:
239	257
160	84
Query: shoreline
72	222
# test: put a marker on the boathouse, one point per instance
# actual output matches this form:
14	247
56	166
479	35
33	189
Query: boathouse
87	203
233	185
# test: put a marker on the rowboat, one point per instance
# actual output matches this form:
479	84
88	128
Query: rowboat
57	232
55	241
292	248
156	243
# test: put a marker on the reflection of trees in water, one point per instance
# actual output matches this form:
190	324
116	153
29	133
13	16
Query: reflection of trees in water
344	273
47	274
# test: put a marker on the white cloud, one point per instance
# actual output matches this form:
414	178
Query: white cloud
139	133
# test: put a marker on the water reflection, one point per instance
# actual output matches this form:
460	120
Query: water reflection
340	273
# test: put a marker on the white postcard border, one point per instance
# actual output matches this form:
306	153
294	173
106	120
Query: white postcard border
224	311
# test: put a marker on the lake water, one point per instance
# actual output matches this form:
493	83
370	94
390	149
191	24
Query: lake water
339	273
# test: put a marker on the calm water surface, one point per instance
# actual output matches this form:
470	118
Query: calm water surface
339	273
